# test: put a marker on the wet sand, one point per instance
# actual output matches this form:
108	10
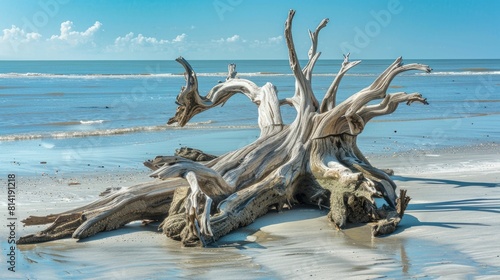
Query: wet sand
449	231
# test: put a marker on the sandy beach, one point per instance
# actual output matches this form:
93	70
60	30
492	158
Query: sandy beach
449	231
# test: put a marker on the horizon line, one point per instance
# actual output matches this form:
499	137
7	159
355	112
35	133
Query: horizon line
243	59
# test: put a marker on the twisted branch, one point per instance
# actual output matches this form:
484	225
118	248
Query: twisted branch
329	101
190	103
304	99
312	54
344	118
389	105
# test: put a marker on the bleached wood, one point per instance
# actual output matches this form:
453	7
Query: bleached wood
313	160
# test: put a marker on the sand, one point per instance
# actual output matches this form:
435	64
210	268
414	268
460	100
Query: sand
450	231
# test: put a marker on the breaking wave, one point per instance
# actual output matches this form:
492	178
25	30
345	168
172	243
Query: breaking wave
462	73
86	76
117	131
465	72
92	122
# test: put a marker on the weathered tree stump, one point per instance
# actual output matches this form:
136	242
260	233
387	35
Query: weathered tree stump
313	160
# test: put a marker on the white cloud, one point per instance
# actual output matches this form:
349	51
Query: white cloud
232	39
73	41
269	41
139	40
180	38
236	38
74	37
140	43
18	35
275	40
18	43
15	41
122	40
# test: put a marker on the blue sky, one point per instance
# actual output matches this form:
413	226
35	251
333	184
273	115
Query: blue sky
245	29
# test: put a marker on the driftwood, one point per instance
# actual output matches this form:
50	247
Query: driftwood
184	152
313	160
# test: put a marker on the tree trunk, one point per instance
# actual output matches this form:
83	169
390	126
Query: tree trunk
314	160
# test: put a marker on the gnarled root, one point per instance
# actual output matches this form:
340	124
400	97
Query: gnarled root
179	225
393	218
352	202
353	182
148	201
63	226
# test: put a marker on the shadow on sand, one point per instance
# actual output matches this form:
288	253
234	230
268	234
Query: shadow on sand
455	183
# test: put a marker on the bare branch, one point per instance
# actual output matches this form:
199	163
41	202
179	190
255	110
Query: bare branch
205	183
332	122
269	117
292	54
303	91
378	88
314	37
312	54
389	104
231	71
191	103
313	57
214	185
329	101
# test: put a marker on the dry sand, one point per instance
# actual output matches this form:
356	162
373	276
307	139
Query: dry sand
450	231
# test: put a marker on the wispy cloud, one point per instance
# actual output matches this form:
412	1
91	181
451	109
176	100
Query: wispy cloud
269	41
180	38
232	39
236	38
139	42
275	40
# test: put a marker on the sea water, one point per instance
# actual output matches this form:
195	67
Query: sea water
82	115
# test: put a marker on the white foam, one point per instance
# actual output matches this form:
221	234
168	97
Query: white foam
86	76
159	75
92	122
116	131
461	73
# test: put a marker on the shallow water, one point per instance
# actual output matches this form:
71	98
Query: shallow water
79	114
57	99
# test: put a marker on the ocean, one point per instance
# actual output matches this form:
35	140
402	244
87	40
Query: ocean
82	116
